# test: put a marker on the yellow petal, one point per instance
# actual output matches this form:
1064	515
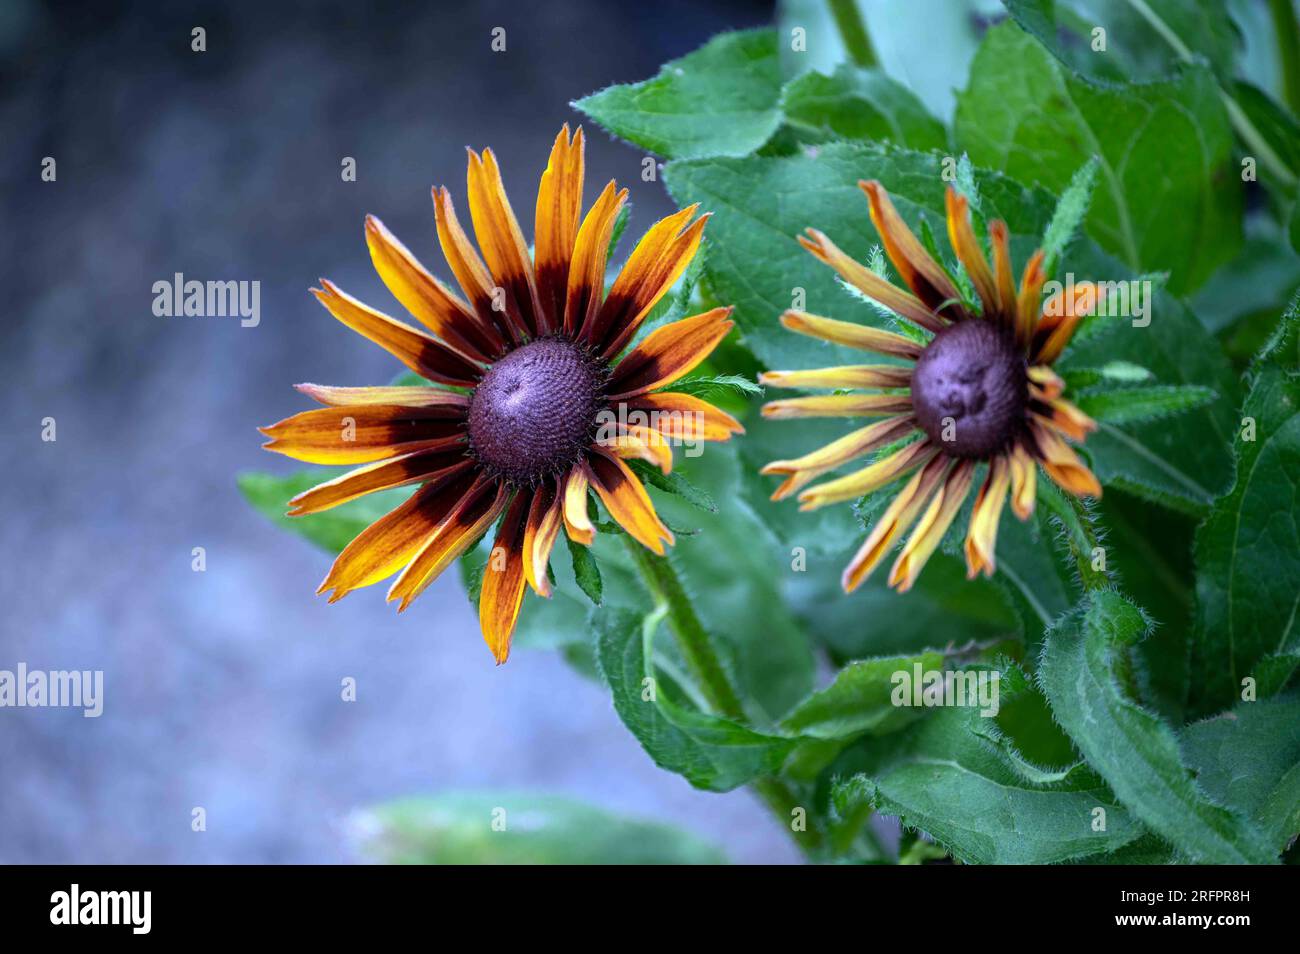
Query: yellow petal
854	336
933	525
869	478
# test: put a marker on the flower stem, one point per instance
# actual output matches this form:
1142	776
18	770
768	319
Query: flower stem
693	640
853	32
715	685
1288	50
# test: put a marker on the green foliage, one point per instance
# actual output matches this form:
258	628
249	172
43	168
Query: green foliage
958	776
518	828
709	751
1248	550
1085	672
1031	117
1144	404
854	103
721	100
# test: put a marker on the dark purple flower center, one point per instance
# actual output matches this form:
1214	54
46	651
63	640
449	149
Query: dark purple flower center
535	410
969	389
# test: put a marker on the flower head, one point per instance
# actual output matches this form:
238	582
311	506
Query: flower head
535	399
977	389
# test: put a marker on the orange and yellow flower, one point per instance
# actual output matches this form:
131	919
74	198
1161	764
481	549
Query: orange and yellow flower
978	388
535	396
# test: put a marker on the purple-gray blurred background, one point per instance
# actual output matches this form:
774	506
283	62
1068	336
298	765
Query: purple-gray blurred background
222	688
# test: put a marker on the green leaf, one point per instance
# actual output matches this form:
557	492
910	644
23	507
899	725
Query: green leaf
519	828
1248	550
859	700
721	100
1069	214
1128	405
331	530
1031	117
857	103
1180	462
1084	672
585	571
1249	759
1113	372
1143	37
673	483
709	386
957	776
710	752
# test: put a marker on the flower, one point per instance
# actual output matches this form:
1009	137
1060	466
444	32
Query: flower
979	389
530	403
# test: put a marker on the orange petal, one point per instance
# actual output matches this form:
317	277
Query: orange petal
921	272
559	207
1024	482
501	239
360	434
626	500
425	465
590	250
467	521
844	376
840	405
982	537
473	276
1062	464
1029	304
1066	418
540	533
1048	382
854	336
407	396
577	522
682	417
968	250
1061	316
870	478
423	354
390	542
803	470
870	284
1006	282
933	525
428	299
893	523
654	265
503	580
628	440
669	352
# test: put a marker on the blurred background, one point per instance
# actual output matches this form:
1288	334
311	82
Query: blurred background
222	688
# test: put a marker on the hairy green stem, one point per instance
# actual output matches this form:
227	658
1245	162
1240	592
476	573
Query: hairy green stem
853	31
711	676
1287	34
693	640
